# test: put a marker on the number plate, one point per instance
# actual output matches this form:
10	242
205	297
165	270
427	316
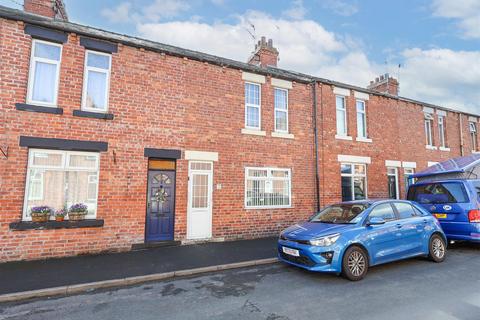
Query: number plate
440	215
290	251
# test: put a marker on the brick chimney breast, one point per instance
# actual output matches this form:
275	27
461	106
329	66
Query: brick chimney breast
48	8
265	54
385	84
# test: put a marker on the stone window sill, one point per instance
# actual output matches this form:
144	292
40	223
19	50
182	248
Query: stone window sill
339	137
368	140
431	147
28	225
94	115
35	108
254	132
444	149
283	135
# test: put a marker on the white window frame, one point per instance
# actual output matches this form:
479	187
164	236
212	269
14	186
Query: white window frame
473	135
280	110
251	105
397	191
408	172
441	131
353	175
42	187
32	70
271	178
344	110
428	124
65	167
364	122
86	69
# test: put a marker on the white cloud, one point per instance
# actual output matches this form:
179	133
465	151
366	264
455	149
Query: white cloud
297	11
340	7
467	12
118	14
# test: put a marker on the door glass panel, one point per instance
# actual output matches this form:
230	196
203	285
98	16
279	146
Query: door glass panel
199	191
201	166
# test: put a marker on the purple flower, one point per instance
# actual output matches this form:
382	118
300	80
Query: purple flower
78	207
41	210
61	213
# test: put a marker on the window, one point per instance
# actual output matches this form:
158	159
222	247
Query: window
405	210
252	106
267	188
473	135
392	177
44	73
408	172
341	116
428	129
438	193
96	82
361	119
384	211
65	178
281	110
354	181
441	131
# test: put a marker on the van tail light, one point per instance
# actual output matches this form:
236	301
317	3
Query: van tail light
474	215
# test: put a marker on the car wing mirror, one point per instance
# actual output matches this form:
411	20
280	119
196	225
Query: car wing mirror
375	221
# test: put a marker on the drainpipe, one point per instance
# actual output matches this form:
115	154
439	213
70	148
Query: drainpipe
460	124
315	132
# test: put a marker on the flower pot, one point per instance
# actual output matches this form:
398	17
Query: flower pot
59	218
76	216
39	217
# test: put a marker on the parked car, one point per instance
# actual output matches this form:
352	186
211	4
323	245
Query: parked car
349	237
455	203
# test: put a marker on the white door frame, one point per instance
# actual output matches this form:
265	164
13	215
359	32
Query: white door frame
192	211
397	191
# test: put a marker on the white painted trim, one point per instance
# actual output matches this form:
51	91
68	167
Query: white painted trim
472	119
444	149
430	147
341	91
393	163
360	139
201	155
253	77
254	132
280	83
354	159
428	110
412	165
361	95
431	163
340	137
283	135
442	113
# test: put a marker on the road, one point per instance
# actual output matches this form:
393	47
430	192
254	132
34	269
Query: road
411	289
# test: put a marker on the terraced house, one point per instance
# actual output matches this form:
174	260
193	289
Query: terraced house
169	145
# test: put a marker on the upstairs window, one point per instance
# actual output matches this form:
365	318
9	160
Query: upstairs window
281	110
441	131
428	130
473	135
252	106
44	73
361	120
341	116
96	82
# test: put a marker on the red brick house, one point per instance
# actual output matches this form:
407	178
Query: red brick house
166	144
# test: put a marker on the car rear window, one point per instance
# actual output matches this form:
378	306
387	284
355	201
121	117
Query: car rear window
438	192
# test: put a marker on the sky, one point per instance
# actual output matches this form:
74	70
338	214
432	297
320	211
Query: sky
435	42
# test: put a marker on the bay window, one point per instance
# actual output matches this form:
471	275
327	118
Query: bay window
96	81
267	188
354	181
281	110
59	179
252	106
44	73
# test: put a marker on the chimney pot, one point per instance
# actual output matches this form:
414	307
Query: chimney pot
265	53
391	86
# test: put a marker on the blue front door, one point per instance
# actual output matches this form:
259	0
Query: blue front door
160	205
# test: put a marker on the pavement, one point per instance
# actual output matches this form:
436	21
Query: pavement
410	289
126	267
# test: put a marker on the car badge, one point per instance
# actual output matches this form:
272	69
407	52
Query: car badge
432	208
447	207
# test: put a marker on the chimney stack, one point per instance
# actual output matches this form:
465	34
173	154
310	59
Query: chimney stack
265	54
54	9
385	84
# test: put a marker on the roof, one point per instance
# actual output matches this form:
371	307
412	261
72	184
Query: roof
455	165
20	15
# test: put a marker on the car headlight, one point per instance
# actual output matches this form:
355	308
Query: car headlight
325	241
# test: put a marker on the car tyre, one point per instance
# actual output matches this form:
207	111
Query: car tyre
437	248
355	263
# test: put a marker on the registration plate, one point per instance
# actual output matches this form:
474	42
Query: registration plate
290	251
440	215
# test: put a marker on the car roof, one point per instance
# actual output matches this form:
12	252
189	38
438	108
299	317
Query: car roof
455	165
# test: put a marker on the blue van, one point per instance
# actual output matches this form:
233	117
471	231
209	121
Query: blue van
448	192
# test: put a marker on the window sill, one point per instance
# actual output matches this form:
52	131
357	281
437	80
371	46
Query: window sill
271	208
343	137
283	135
431	147
444	149
28	225
364	140
94	115
254	132
35	108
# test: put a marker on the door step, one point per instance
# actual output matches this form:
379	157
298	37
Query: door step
158	244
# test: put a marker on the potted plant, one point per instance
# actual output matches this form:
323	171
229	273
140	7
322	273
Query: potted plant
77	212
60	215
41	213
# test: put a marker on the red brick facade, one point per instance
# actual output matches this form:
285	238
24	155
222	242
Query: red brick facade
169	101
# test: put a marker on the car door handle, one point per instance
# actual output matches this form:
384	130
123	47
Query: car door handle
399	225
425	221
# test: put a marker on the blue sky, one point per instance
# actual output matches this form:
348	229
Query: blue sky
436	41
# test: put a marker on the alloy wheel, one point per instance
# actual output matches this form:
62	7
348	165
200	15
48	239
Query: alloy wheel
356	263
438	248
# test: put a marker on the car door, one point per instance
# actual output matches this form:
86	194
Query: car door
412	229
382	240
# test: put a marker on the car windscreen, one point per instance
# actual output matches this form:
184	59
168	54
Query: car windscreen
437	193
340	213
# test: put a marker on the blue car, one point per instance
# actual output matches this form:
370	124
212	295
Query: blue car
454	202
349	237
